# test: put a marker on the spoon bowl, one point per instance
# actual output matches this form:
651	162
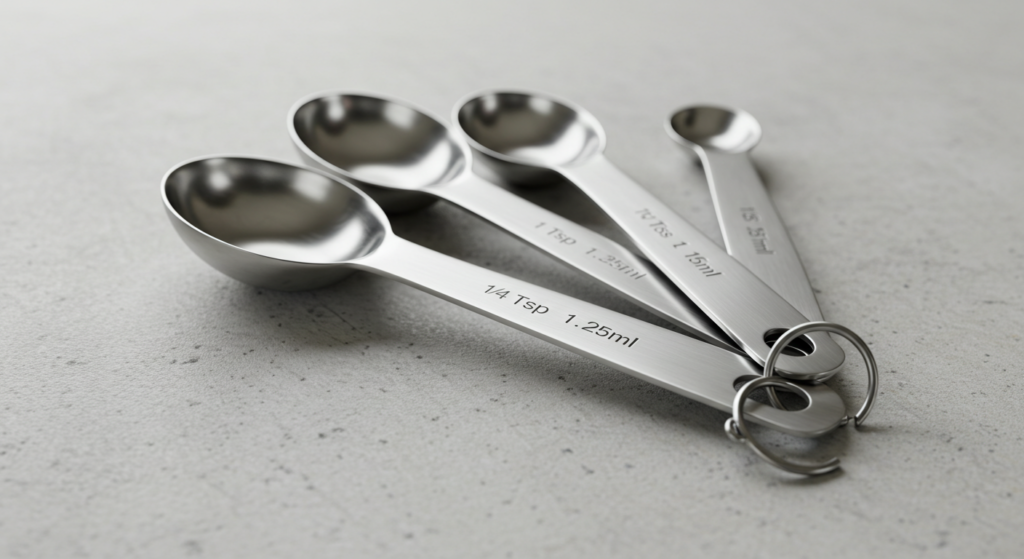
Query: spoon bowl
269	223
521	135
715	128
390	150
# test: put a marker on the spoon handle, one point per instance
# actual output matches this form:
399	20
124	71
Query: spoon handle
753	231
673	361
740	303
617	268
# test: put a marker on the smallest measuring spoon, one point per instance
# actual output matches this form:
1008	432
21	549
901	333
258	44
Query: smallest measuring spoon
753	231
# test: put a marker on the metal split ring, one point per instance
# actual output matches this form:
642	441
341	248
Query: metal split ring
736	429
833	328
736	426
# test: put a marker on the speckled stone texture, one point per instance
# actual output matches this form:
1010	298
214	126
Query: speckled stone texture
150	407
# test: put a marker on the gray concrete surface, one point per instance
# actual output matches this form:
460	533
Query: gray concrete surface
150	407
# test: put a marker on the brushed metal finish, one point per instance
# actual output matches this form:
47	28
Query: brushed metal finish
534	130
279	226
399	154
753	231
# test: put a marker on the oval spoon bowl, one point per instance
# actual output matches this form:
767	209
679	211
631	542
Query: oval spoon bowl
717	128
388	149
269	223
506	128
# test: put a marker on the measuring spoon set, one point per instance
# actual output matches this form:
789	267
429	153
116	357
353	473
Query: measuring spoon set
748	313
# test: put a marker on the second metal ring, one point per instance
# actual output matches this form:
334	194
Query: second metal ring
833	328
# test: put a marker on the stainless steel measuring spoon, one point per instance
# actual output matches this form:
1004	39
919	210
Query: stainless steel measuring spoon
531	131
753	231
279	226
404	157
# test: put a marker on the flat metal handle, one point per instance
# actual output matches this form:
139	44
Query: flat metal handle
732	296
673	361
753	231
614	266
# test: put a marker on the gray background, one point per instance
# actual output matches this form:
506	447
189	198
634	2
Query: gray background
152	407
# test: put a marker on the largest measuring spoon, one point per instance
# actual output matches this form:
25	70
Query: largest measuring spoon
280	226
532	131
402	156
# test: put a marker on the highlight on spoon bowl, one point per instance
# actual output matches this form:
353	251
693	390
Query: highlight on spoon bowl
520	134
386	147
269	223
716	128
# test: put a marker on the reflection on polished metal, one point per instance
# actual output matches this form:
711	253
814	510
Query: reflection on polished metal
865	352
532	131
753	231
279	226
737	430
403	157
